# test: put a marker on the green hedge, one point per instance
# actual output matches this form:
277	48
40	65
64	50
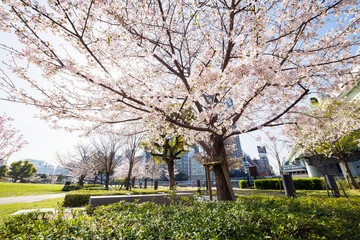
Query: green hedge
243	184
81	197
300	183
71	188
254	217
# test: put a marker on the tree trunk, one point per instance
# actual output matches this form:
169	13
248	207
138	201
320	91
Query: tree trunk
133	182
95	179
128	185
81	180
107	180
171	171
224	189
352	180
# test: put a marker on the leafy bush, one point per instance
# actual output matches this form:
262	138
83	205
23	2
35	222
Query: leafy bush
243	184
300	183
255	217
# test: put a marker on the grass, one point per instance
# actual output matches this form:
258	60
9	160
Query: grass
7	209
28	189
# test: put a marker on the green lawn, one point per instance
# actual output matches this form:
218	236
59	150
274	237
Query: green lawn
7	209
27	189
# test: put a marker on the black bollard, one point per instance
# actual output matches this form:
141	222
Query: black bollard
156	184
198	186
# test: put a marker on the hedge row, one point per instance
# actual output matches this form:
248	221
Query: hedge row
81	197
73	187
300	183
255	217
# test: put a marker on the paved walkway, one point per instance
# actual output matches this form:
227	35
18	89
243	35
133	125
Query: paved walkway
25	199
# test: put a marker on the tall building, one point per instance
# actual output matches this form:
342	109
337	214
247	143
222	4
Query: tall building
235	154
263	166
183	165
43	167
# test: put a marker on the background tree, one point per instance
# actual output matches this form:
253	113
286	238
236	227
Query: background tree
18	170
127	173
152	169
330	129
168	152
213	69
10	139
60	178
277	145
107	146
3	170
80	162
131	161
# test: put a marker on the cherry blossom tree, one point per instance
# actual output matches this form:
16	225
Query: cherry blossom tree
330	129
277	144
130	170
209	69
131	165
10	139
152	170
80	162
107	153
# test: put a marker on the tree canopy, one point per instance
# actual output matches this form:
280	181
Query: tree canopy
20	170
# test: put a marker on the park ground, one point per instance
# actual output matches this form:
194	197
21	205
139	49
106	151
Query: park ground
10	190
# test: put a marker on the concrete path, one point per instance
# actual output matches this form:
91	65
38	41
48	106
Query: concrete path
25	199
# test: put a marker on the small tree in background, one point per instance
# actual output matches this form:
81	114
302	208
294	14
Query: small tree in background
3	170
18	170
106	156
168	152
79	162
10	139
131	165
60	178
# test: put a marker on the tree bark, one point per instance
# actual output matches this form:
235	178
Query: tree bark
133	182
352	180
128	185
81	180
95	179
171	171
107	180
224	189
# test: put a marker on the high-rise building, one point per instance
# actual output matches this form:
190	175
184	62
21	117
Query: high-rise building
262	163
235	154
43	167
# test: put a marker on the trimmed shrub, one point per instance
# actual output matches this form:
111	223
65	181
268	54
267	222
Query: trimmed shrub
272	183
91	186
254	217
300	183
243	184
71	188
